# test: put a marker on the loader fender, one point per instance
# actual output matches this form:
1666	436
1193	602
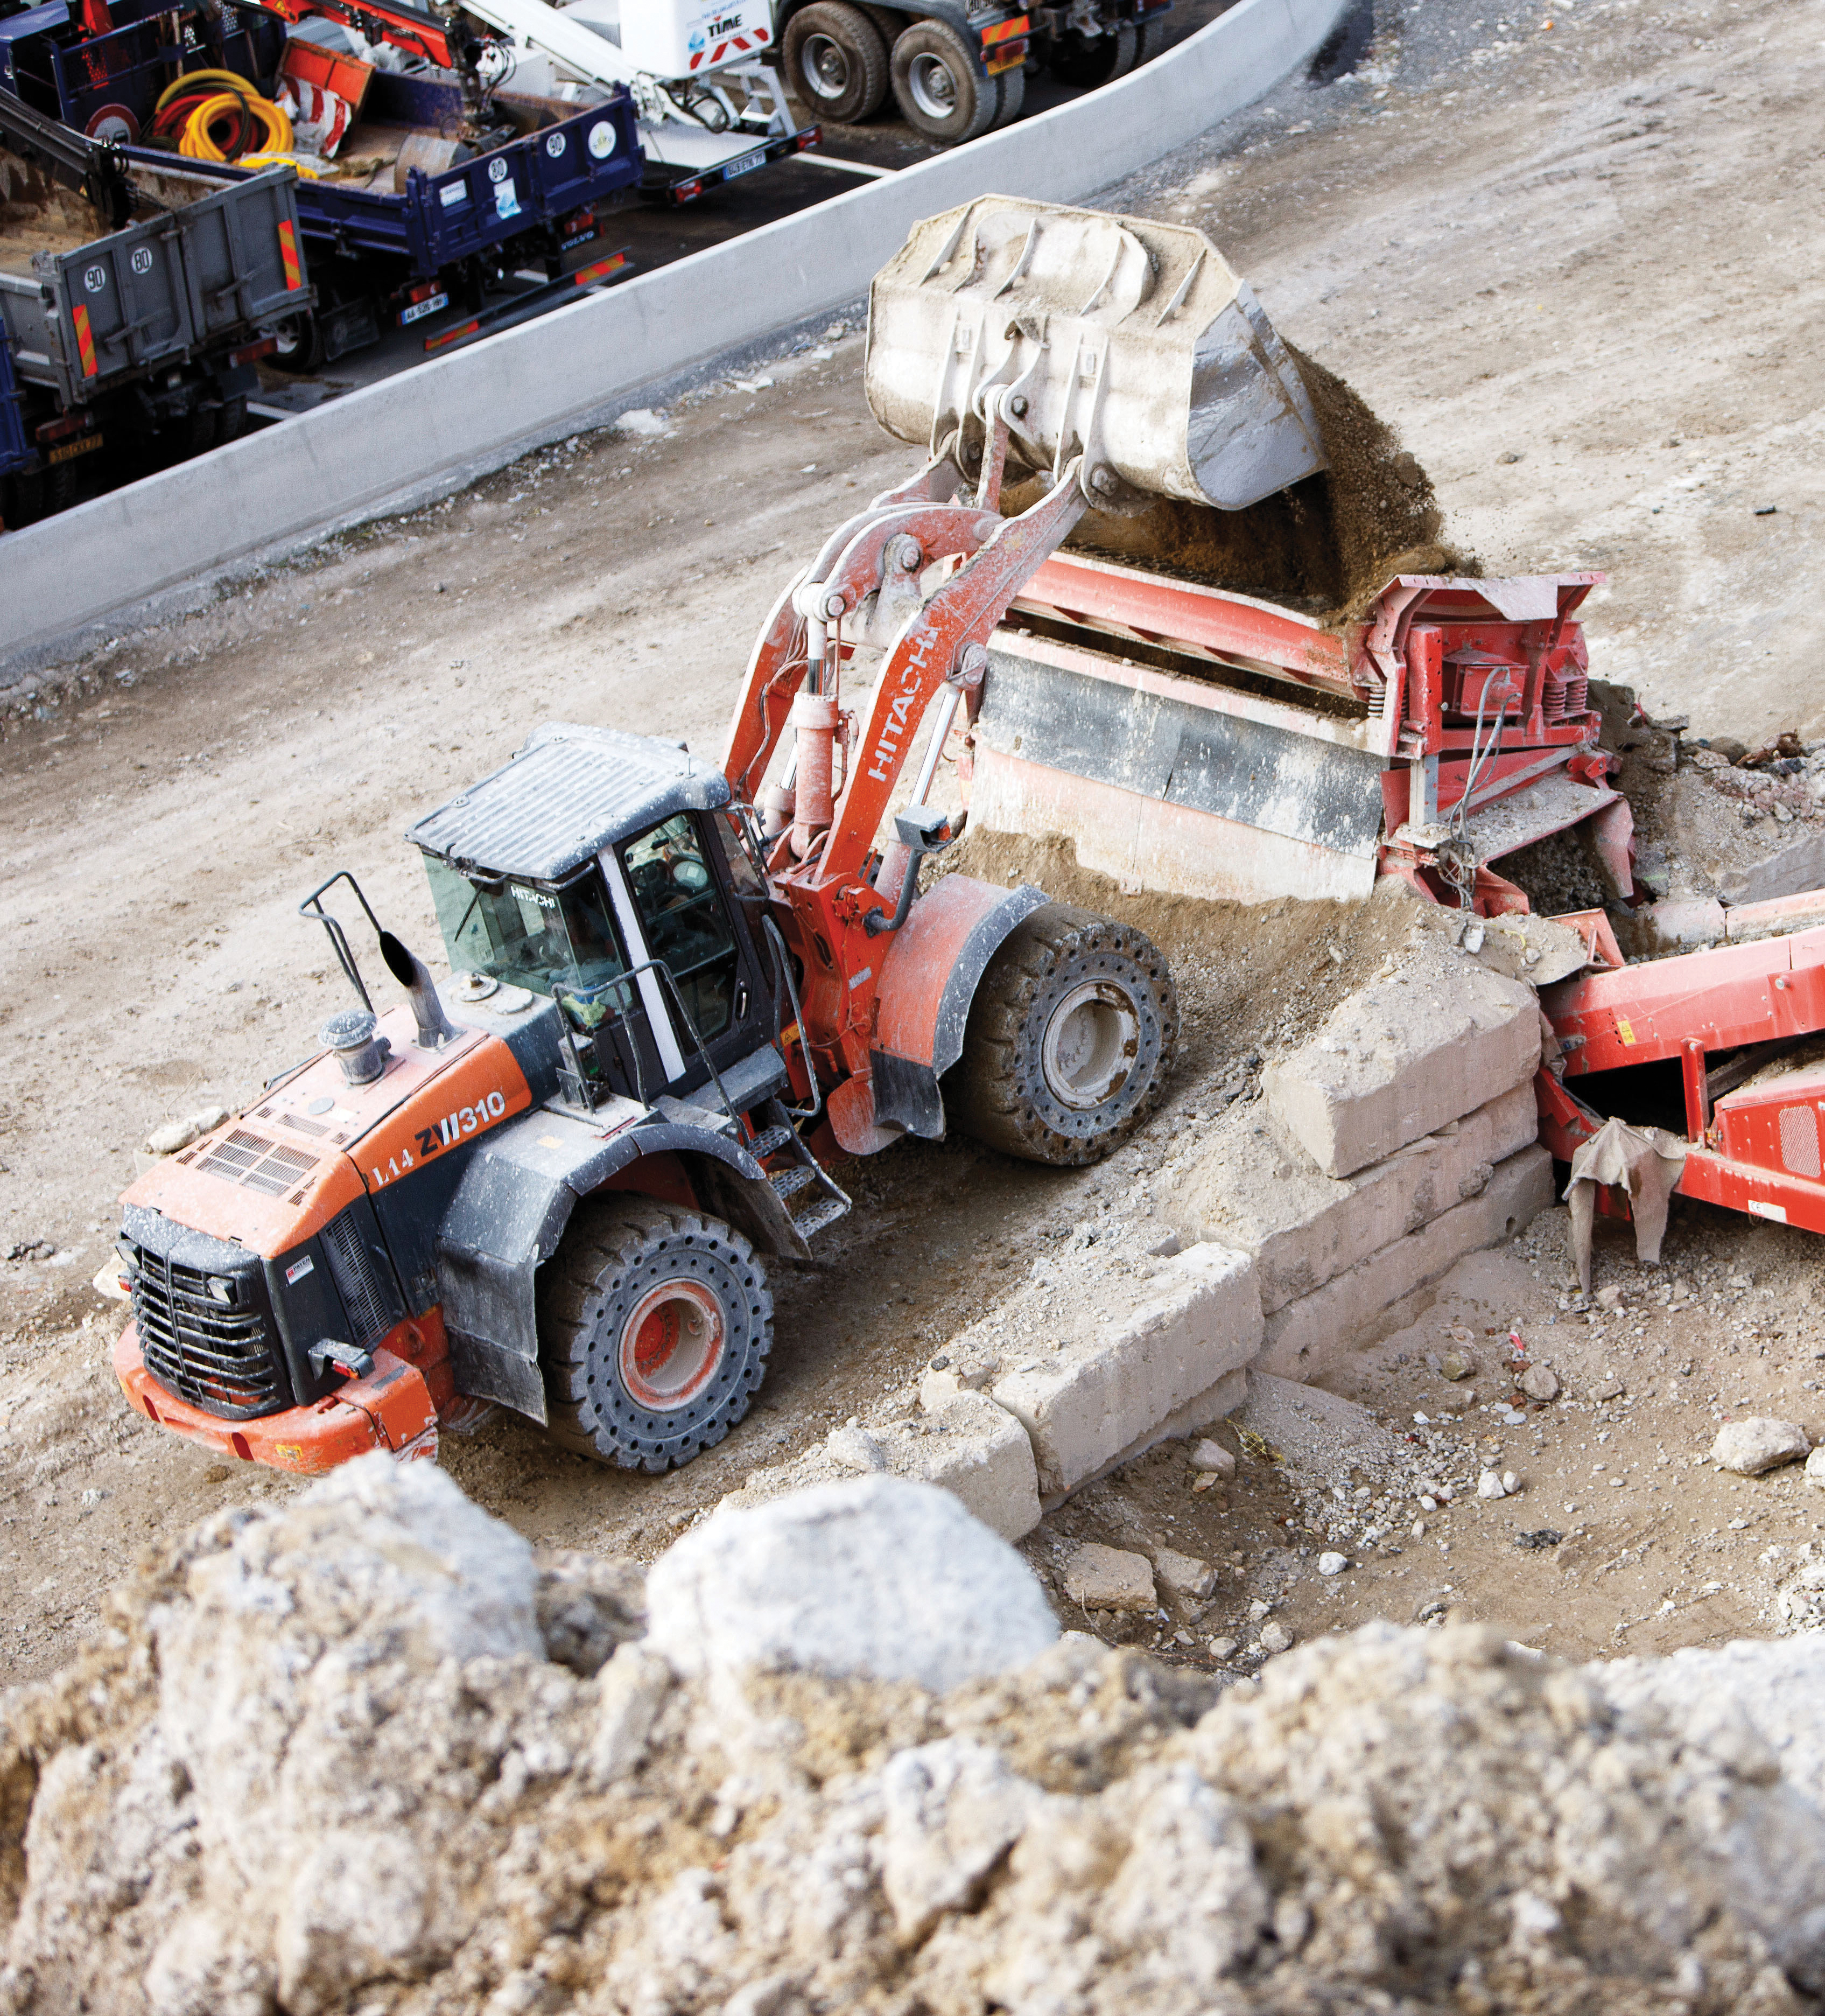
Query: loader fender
516	1198
928	981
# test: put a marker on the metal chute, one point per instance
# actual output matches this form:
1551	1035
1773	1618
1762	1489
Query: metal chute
1129	343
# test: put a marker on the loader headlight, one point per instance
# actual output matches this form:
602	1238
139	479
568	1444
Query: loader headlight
221	1290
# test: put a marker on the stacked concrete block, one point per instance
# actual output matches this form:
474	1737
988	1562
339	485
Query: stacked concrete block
1403	1058
1175	1363
1258	1191
1308	1336
1399	1139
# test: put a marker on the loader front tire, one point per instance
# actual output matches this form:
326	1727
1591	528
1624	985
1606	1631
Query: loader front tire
939	87
654	1327
837	62
1070	1039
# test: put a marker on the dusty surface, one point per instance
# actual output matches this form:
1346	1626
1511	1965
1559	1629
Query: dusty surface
1583	247
331	1759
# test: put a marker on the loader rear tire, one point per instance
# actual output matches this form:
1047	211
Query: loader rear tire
837	62
938	85
1070	1039
654	1325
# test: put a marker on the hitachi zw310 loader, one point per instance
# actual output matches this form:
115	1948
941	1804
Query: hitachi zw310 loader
682	993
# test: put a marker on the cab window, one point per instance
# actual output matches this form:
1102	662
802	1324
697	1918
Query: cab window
686	924
559	942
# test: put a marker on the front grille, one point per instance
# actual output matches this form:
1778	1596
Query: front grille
222	1357
1799	1141
361	1280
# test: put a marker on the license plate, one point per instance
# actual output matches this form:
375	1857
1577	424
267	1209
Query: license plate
745	166
419	310
67	451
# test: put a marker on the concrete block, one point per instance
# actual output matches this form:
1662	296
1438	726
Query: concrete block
1789	871
1099	1577
1306	1338
1257	1190
1105	1395
969	1446
1403	1057
1184	1575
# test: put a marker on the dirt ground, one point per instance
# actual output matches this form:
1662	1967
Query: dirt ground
1571	264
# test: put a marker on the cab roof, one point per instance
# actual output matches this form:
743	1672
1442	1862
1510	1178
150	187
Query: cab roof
569	792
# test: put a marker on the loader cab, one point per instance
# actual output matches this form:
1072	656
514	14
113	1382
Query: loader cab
605	871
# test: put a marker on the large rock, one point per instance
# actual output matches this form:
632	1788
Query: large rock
447	1821
1257	1190
1305	1338
880	1577
1402	1058
1173	1364
1759	1443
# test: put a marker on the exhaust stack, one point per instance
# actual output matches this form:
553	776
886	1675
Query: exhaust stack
1128	342
434	1027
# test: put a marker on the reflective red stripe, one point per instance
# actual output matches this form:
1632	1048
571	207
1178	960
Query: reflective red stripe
84	341
450	335
288	252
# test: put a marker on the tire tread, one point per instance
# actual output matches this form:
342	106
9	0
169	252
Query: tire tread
983	1092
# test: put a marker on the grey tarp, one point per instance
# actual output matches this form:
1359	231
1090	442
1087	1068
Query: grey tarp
1648	1163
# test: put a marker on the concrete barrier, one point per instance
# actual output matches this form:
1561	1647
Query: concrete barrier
409	438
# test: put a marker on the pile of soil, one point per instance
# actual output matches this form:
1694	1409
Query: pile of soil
331	1760
1326	546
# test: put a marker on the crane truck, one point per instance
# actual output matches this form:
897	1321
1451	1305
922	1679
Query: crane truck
682	993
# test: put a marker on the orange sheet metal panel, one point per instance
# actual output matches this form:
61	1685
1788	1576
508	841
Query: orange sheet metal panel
920	959
390	1409
1724	997
1234	626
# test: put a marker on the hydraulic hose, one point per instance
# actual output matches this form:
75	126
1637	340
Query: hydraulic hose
190	110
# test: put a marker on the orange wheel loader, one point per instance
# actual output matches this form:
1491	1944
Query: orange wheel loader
681	992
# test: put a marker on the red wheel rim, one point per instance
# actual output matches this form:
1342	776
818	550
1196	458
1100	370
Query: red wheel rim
672	1344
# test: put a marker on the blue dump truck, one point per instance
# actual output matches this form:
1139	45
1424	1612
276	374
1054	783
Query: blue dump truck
133	347
441	190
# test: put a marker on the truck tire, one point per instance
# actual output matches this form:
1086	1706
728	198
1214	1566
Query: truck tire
300	345
654	1325
938	84
1149	39
1069	1041
1089	60
1013	96
837	62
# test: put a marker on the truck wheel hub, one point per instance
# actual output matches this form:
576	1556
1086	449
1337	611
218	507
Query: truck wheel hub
1092	1039
933	89
826	67
672	1344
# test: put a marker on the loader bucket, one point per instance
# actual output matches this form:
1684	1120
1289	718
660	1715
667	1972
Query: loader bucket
1129	343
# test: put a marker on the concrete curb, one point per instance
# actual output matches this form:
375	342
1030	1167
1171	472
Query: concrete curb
395	444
